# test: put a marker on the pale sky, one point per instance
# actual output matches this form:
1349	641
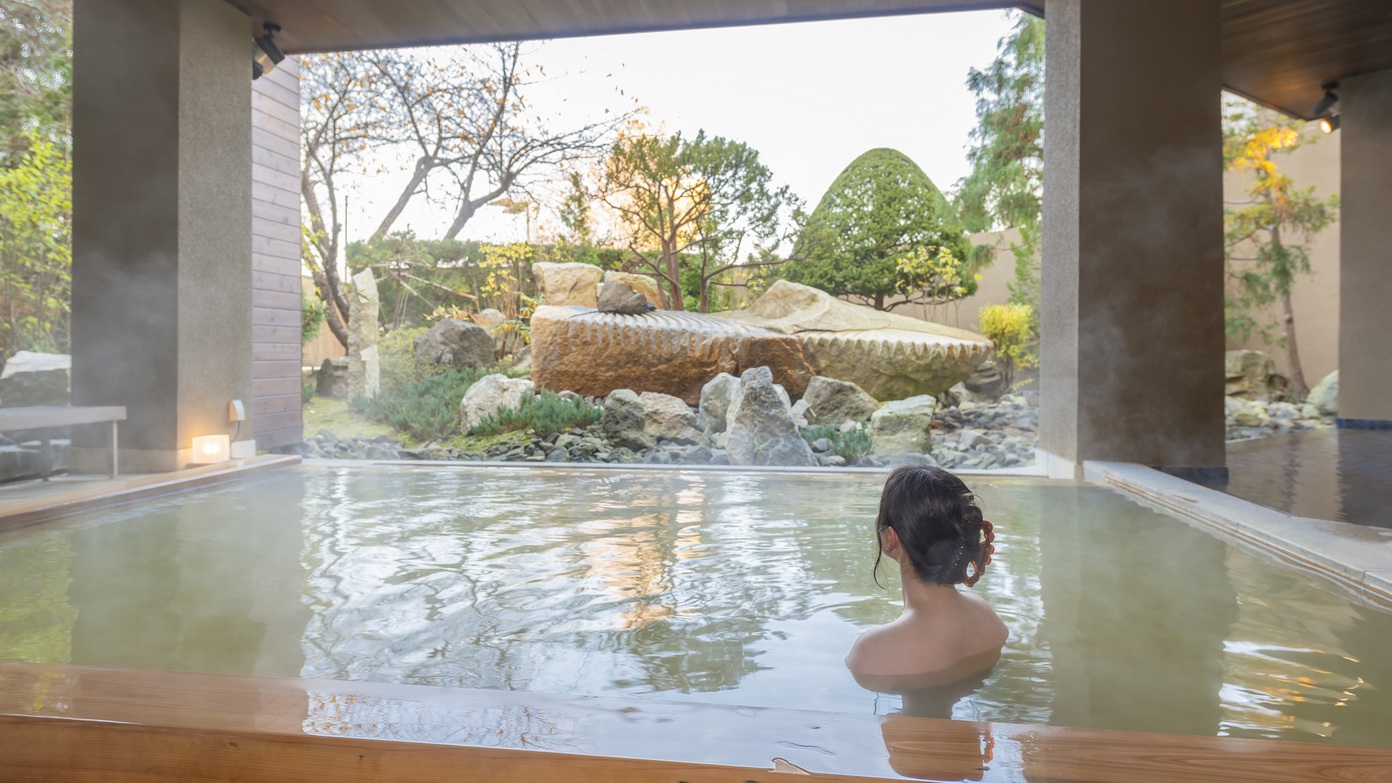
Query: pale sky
809	97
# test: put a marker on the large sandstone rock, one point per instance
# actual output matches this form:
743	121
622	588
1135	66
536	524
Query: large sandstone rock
489	393
716	397
665	416
904	426
364	371
641	283
456	343
761	426
624	422
31	378
1325	395
567	284
830	401
1251	375
675	353
889	356
332	379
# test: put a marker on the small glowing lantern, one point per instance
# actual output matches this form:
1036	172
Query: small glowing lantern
209	449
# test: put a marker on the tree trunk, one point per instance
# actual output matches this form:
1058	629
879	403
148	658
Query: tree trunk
705	296
1299	389
674	297
417	177
879	302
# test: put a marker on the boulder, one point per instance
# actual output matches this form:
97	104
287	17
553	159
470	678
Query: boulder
624	421
665	416
1325	395
489	393
889	356
643	284
332	380
1251	375
31	378
904	426
716	397
617	297
830	401
761	426
567	284
364	372
664	351
456	343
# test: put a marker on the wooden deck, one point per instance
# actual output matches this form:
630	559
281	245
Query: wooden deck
64	723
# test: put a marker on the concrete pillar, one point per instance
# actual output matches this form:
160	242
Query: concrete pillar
1365	252
161	223
1132	313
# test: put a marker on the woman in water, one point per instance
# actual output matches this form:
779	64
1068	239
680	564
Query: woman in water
930	525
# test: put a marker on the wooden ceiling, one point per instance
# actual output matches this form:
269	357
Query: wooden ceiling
1276	52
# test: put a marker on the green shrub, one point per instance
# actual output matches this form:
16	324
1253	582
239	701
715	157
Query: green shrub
423	409
850	445
1011	328
313	312
543	414
396	356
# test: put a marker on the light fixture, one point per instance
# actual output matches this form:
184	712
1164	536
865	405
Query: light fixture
1327	102
210	449
265	55
1330	124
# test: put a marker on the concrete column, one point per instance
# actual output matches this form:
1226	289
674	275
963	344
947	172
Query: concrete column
161	222
1365	253
1132	313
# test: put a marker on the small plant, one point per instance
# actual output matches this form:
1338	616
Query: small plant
1011	328
424	409
307	389
396	355
850	445
542	414
312	315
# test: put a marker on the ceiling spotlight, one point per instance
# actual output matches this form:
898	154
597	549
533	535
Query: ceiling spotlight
1327	102
1330	124
265	55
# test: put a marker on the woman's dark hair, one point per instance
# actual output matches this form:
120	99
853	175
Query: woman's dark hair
938	524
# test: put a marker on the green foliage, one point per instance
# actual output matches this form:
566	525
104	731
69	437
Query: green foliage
850	445
36	249
35	76
424	409
541	414
1011	328
883	229
697	207
396	358
1004	187
312	315
1267	235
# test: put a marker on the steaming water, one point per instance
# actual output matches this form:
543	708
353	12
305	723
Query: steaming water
714	587
1341	474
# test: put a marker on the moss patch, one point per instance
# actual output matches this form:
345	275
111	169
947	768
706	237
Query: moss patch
477	444
325	413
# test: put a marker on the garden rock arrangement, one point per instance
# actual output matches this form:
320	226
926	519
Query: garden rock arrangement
31	378
1247	419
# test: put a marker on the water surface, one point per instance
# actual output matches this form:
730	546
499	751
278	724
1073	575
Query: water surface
692	585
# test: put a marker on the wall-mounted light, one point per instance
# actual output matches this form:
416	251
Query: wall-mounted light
1327	102
265	55
1330	124
210	449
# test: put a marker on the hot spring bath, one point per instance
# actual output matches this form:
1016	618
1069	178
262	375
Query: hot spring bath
692	586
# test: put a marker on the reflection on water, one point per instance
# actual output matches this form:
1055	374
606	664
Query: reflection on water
715	587
1339	474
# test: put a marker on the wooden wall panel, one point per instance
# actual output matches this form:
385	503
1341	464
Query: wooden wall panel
276	405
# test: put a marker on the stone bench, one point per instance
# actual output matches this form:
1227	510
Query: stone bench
46	417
